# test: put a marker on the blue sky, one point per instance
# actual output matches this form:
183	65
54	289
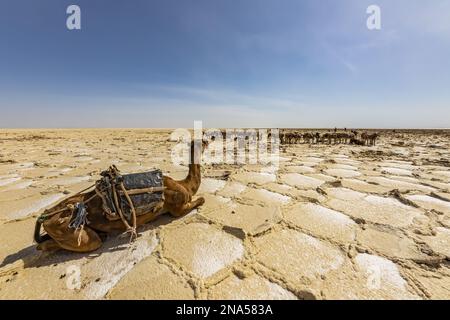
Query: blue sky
246	63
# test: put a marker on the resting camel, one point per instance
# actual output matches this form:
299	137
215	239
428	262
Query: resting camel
177	201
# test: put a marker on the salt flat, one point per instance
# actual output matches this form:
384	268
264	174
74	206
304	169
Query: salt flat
323	225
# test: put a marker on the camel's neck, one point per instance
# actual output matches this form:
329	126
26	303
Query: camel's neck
193	179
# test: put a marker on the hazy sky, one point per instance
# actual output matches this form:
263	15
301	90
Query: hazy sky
230	63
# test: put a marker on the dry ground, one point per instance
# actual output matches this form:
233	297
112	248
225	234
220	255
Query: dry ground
326	225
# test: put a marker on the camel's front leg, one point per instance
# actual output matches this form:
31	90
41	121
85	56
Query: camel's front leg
186	208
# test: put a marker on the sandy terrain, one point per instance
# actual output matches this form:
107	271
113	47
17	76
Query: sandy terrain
326	225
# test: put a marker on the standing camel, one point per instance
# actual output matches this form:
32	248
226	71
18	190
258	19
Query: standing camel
369	139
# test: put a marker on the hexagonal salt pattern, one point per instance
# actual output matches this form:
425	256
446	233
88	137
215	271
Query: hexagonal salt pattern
369	277
322	221
250	288
329	222
204	250
304	256
152	280
373	208
252	219
301	181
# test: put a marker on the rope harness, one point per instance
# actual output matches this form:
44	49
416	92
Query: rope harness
112	180
80	216
117	203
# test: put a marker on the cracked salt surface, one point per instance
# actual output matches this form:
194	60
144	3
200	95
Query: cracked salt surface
397	171
267	196
232	189
68	181
301	181
442	173
255	177
382	201
440	242
300	169
5	182
342	173
18	186
345	194
373	208
35	207
400	165
323	221
209	185
386	270
397	184
276	261
313	159
24	165
253	287
429	203
317	258
343	166
112	265
204	250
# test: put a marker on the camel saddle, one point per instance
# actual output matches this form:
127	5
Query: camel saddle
123	194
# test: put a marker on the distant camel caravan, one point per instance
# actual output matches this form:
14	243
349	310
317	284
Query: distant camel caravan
118	203
290	137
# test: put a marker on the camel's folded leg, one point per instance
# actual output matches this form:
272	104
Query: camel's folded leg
81	240
188	207
177	197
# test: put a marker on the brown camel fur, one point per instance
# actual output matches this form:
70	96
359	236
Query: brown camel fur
177	201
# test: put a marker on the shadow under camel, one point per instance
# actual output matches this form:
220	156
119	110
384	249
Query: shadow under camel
29	257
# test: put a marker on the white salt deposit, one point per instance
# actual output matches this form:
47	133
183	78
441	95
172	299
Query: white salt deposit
209	185
343	173
301	181
381	201
397	171
328	215
35	206
268	196
215	254
442	173
5	182
232	189
387	271
255	177
111	266
69	180
18	186
430	202
345	194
